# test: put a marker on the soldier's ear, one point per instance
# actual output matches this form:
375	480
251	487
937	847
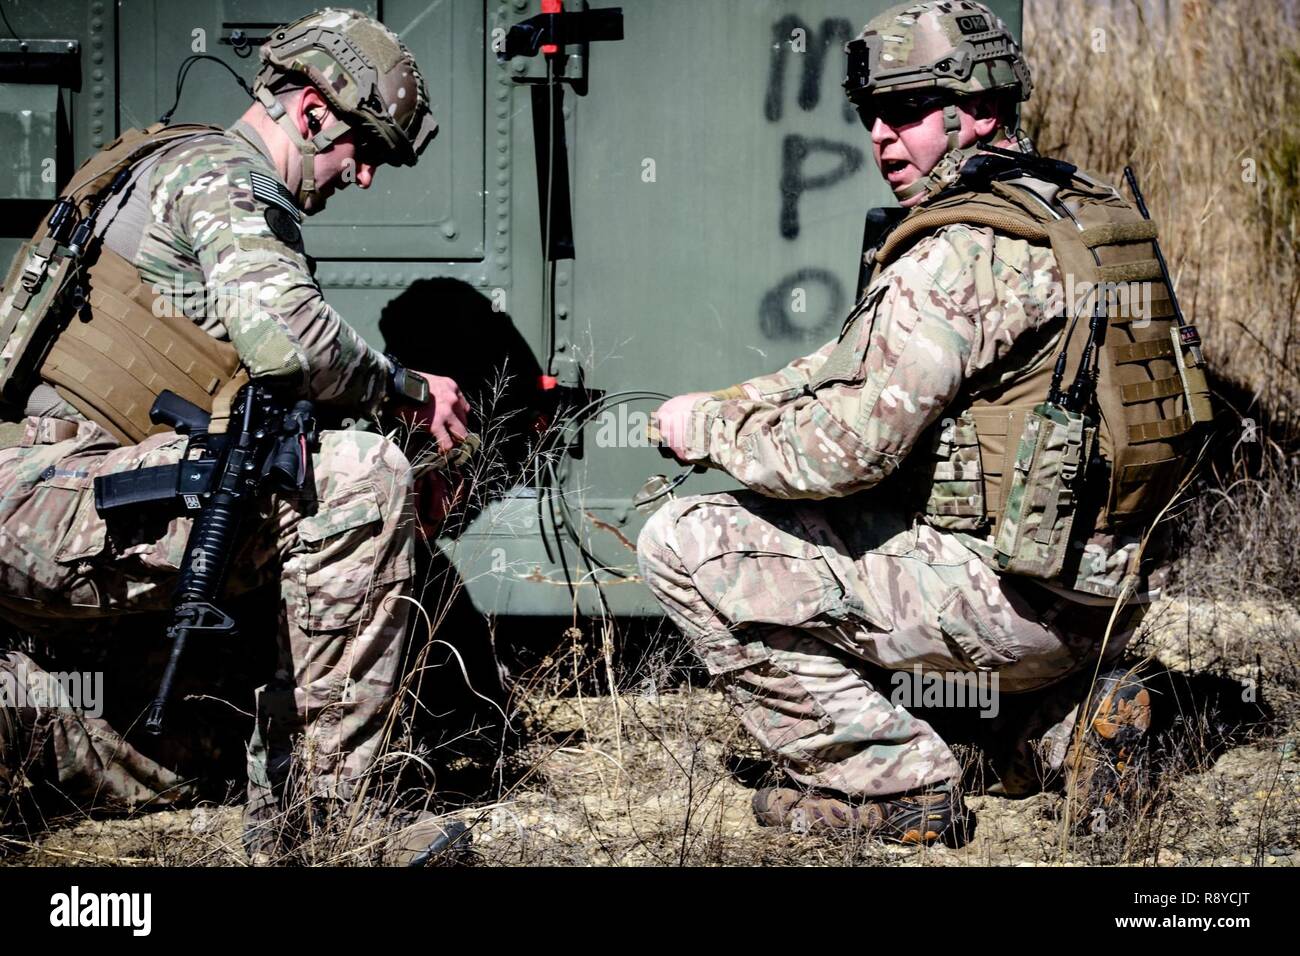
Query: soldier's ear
984	112
314	107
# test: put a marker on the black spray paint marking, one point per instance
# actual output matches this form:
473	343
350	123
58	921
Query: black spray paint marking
795	181
776	321
826	47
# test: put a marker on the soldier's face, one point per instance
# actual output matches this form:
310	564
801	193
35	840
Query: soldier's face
337	168
908	139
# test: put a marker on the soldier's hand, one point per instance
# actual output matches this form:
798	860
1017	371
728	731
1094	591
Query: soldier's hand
672	418
446	416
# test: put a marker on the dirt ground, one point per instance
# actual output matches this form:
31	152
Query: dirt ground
666	777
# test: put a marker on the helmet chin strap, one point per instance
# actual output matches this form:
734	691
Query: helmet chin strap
947	170
307	148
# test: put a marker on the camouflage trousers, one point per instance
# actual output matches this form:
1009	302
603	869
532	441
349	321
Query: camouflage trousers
342	551
820	619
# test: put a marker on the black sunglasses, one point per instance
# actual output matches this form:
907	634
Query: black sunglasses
899	109
370	148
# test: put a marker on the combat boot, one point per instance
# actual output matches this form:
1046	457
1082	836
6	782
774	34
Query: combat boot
937	814
418	839
1105	766
378	838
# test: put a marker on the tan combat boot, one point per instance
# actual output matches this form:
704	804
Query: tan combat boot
928	816
378	838
422	839
1105	766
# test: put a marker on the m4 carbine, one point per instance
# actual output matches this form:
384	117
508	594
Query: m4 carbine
264	448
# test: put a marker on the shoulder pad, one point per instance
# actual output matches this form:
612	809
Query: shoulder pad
270	190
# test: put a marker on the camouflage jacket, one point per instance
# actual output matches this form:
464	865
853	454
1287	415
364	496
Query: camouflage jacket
208	250
947	311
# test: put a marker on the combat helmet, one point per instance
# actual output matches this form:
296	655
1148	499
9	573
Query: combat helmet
958	46
367	74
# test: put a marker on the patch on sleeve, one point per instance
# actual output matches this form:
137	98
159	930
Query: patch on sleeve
283	225
270	190
282	213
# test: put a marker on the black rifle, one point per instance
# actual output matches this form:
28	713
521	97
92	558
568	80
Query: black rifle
265	448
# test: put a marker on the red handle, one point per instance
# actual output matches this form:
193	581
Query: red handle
551	6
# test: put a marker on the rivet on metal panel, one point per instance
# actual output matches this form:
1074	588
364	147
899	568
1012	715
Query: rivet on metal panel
562	311
449	229
519	65
562	278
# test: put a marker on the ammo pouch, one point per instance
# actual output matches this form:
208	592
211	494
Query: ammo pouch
1034	534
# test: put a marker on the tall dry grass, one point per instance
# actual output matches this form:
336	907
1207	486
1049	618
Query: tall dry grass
1200	98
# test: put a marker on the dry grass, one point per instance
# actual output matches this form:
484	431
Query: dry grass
1198	98
616	755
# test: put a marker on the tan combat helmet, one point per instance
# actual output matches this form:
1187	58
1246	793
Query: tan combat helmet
365	72
958	46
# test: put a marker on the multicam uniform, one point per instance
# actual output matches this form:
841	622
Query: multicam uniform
930	449
785	600
202	215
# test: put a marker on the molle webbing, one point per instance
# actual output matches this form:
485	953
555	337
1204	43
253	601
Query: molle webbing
108	352
1107	250
112	367
1110	233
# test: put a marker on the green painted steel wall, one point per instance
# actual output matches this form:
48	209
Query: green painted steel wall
717	179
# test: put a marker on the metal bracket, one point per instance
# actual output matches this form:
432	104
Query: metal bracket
56	62
563	29
549	33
